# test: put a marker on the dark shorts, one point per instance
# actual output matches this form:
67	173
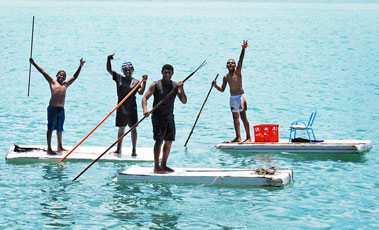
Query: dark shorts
163	128
55	118
124	118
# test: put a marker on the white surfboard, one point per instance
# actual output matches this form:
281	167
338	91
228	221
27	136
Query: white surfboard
207	176
38	152
327	146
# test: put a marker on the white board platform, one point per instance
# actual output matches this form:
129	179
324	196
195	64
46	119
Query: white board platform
328	146
207	176
81	153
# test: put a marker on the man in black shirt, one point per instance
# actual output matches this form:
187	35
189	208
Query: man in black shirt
127	113
163	116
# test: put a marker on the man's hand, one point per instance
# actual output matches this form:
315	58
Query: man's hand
144	77
146	113
214	83
245	44
82	62
110	56
31	61
180	84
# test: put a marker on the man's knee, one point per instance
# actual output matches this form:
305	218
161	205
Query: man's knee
158	142
168	143
235	115
243	116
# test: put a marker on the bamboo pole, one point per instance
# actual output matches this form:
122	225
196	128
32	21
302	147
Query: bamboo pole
198	116
31	55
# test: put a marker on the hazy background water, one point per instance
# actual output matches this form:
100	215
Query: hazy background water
301	56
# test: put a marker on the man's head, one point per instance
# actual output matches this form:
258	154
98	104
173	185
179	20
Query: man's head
127	68
231	65
61	76
167	72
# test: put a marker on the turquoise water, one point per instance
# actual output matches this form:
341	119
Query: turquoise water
301	56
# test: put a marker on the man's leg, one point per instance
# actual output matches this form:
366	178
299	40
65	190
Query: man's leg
134	141
60	146
48	138
157	152
121	130
236	121
132	120
247	127
166	153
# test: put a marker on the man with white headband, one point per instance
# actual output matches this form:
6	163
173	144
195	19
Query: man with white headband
127	113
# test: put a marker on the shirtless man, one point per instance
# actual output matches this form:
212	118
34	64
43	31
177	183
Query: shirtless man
163	116
238	102
55	110
127	113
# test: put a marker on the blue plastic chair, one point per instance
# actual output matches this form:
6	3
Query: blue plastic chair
303	125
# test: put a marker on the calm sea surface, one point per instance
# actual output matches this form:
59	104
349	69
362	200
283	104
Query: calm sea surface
301	57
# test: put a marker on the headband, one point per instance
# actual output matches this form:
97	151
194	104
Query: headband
126	64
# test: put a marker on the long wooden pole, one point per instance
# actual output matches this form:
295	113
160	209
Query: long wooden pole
31	55
119	104
135	125
198	116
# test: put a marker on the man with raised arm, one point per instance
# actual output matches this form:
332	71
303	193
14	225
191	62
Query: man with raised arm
163	116
55	110
238	103
127	113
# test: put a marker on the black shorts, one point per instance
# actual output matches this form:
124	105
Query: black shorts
124	118
163	128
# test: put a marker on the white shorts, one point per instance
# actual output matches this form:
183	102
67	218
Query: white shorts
238	103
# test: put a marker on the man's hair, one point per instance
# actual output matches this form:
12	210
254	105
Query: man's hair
231	60
168	67
63	72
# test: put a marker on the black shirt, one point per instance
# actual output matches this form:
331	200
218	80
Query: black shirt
162	89
124	86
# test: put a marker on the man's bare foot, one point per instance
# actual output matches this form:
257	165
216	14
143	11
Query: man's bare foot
247	141
117	151
134	153
167	169
159	170
61	149
235	140
51	152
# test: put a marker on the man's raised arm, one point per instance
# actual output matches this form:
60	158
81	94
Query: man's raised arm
71	80
242	55
42	71
109	65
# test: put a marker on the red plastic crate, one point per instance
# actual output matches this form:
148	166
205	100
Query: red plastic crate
266	133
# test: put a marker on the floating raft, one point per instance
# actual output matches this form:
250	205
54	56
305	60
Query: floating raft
208	176
81	153
327	146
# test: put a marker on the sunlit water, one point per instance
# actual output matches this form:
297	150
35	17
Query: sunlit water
301	57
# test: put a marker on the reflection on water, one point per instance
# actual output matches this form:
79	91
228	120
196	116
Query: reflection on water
55	198
138	202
